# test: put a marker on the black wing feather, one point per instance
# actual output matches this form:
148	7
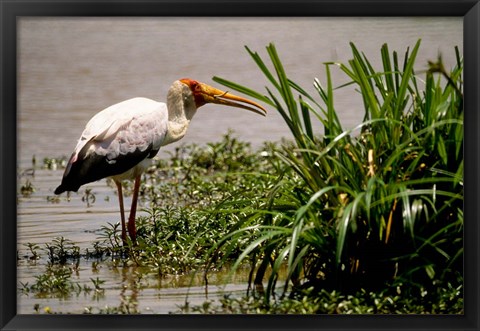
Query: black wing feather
91	167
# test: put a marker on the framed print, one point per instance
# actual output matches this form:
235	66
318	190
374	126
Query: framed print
230	165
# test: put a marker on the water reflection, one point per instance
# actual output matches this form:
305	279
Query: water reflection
125	289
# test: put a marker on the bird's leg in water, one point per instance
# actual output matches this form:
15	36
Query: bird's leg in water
122	211
131	220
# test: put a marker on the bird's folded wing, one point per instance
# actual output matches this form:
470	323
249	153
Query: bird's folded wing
117	139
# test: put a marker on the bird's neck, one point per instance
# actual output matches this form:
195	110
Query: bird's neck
176	130
179	115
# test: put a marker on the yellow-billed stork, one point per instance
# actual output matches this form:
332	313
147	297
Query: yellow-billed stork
120	141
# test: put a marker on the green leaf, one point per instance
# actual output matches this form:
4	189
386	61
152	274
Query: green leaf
243	89
343	224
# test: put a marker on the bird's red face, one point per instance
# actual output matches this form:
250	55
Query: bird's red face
204	94
196	89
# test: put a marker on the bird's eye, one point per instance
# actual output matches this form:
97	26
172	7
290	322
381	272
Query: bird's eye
195	86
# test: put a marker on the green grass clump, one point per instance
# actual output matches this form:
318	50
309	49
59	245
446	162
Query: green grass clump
364	208
387	301
192	200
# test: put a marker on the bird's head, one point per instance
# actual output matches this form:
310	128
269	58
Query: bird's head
203	94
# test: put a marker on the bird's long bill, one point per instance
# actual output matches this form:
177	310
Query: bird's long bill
207	94
212	95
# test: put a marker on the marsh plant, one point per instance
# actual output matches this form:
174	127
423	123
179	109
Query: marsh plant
370	207
192	200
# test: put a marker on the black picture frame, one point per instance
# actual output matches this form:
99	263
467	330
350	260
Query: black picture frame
11	10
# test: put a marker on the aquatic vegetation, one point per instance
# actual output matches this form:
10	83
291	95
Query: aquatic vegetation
387	301
189	199
33	249
61	249
27	188
52	163
375	206
56	282
88	197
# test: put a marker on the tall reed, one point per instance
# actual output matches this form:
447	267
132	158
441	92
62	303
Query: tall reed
381	203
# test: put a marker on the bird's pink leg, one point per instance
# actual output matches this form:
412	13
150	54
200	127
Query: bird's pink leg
122	211
133	210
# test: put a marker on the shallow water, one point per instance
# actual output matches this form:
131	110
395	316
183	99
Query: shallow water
128	287
70	68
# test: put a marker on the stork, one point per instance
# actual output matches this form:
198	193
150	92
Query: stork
120	141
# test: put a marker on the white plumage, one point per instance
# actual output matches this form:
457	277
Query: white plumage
127	125
134	125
